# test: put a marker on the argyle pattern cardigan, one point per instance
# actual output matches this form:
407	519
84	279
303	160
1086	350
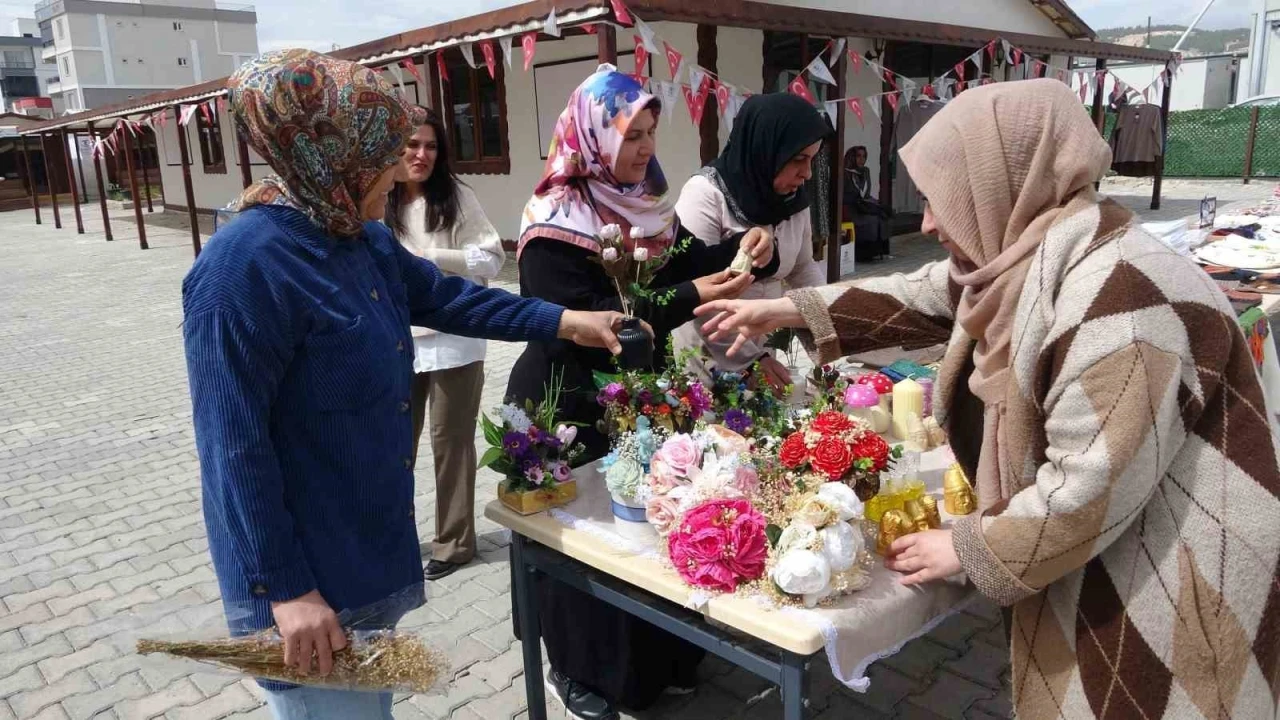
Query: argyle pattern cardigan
1135	528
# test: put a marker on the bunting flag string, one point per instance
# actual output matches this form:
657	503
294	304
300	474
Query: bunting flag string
551	26
642	56
490	62
837	51
801	88
442	68
529	44
412	67
818	70
506	42
620	12
675	60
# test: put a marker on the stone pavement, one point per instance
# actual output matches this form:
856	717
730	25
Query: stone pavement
101	537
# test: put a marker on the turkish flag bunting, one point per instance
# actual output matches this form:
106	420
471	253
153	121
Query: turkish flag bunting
674	58
443	69
408	64
1084	90
855	58
620	12
888	77
1017	56
697	103
855	104
722	96
1040	69
892	99
528	43
642	56
486	49
591	28
929	92
991	50
801	88
204	110
960	70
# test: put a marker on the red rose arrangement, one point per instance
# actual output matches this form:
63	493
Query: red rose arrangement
840	448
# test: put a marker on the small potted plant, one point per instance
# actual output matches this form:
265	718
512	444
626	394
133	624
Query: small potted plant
533	453
632	270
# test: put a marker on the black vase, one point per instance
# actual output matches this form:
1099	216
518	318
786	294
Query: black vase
637	346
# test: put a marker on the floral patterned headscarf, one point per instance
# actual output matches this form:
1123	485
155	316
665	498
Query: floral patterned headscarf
578	192
327	127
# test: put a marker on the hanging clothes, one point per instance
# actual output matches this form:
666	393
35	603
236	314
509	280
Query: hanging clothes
1137	142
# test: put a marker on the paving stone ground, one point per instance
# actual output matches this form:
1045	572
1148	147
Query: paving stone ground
101	536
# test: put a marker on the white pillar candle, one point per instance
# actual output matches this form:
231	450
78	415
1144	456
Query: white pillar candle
908	398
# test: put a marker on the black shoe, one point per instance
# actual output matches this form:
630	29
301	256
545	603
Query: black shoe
437	569
578	701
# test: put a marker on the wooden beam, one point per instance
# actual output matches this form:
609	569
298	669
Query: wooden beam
886	136
71	181
433	82
242	152
185	153
834	271
102	192
142	162
709	128
607	44
1249	142
133	189
1100	81
31	180
53	186
1164	143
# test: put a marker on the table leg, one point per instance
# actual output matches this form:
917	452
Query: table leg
795	685
530	632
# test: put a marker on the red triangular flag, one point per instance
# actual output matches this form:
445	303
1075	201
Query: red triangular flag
408	64
696	103
929	92
642	56
204	110
888	77
591	28
960	70
443	68
959	86
1084	90
991	50
855	105
486	49
801	88
855	59
722	96
1017	56
221	103
1040	68
892	99
620	12
528	43
674	58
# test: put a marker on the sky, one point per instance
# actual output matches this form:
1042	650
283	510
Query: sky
320	24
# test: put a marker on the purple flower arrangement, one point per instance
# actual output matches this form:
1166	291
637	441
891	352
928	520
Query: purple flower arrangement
671	401
528	447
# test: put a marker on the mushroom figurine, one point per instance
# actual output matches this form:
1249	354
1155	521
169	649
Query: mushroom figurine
863	402
882	385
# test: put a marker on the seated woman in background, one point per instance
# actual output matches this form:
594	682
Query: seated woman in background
602	169
758	181
437	217
869	217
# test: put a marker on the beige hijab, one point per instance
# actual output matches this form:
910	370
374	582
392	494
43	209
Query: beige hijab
998	166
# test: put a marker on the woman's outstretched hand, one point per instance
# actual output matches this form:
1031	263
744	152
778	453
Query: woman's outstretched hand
758	242
923	557
594	329
747	319
723	285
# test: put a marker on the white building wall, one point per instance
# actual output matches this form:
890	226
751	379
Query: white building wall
211	190
1009	15
1201	83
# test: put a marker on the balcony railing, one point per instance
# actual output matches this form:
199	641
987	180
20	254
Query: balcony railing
54	87
233	7
46	9
24	63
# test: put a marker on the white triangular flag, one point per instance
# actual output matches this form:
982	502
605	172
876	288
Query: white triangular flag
670	94
830	108
187	112
697	76
731	112
1008	53
469	54
649	37
874	104
395	70
818	71
837	53
551	26
506	42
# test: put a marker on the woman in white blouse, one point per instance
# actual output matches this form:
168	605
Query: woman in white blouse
437	217
758	181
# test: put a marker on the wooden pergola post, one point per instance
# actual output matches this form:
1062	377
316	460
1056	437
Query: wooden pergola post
1164	141
102	192
185	153
133	189
1100	81
53	187
607	44
242	152
71	182
31	180
142	162
837	178
84	189
433	83
886	136
709	128
1249	142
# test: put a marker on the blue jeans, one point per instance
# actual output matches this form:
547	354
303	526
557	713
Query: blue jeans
308	703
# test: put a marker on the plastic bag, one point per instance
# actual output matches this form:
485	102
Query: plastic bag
377	658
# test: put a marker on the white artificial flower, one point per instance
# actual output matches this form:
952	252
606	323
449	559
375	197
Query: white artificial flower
640	254
802	572
514	416
842	498
797	536
840	545
611	233
609	254
637	232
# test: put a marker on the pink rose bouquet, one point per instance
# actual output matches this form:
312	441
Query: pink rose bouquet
719	545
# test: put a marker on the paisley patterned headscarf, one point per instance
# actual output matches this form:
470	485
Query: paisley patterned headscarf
578	192
327	127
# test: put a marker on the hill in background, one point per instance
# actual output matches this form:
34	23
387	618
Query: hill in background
1163	37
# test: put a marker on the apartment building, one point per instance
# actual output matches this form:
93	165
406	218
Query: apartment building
23	74
112	52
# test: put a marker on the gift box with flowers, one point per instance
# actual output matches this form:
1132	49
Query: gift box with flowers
533	453
671	401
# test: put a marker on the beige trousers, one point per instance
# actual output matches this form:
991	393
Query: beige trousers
454	399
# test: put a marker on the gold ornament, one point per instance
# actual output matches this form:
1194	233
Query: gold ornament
958	497
915	513
930	505
893	525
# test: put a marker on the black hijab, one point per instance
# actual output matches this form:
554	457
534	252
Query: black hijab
769	131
